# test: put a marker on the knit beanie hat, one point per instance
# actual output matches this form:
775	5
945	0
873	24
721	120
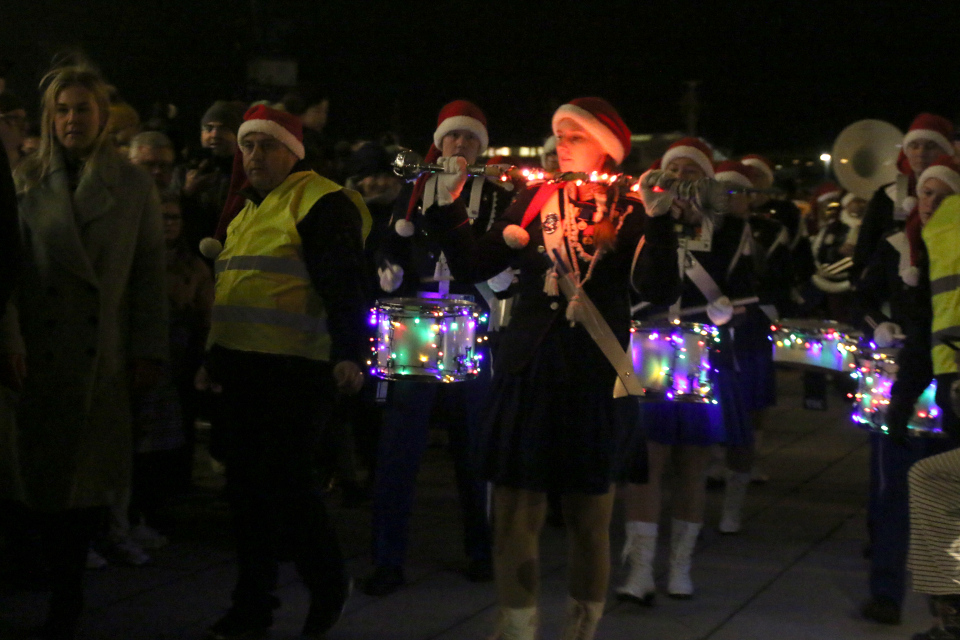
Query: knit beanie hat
600	120
283	126
229	114
693	149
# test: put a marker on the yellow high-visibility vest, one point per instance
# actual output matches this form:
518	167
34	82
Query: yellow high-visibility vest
942	237
264	299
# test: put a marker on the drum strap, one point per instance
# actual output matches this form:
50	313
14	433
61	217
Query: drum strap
899	242
898	192
441	272
598	328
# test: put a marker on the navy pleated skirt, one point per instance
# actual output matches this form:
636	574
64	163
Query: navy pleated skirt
556	426
701	424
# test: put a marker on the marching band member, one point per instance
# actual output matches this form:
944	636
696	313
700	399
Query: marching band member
829	249
717	264
929	136
413	262
898	274
774	266
551	421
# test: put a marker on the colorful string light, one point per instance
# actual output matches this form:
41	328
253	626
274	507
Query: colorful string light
442	348
673	362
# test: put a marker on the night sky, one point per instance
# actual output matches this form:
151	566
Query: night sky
774	76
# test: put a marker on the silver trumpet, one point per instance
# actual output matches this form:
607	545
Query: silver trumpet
409	165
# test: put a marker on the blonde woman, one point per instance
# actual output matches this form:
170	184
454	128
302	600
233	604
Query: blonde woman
90	326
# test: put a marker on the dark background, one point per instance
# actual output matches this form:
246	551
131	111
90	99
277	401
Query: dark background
774	76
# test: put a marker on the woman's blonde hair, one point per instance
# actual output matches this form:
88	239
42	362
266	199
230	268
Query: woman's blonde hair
36	167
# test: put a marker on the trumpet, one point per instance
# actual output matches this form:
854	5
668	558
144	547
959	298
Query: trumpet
409	165
703	194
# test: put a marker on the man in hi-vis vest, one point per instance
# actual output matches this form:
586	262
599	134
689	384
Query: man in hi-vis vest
286	338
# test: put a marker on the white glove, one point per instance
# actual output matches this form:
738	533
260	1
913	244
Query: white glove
830	286
390	277
656	199
450	182
720	311
887	334
501	281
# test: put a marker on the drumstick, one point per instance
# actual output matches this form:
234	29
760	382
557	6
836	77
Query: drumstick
689	311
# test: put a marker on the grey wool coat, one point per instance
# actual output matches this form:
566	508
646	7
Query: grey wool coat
91	297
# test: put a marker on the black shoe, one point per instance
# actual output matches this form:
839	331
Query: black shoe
323	615
480	570
383	581
882	610
240	624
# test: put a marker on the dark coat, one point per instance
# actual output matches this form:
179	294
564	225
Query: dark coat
475	259
91	298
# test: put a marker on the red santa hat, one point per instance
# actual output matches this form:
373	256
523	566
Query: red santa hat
600	120
734	172
693	149
759	162
283	126
461	115
937	129
945	169
826	192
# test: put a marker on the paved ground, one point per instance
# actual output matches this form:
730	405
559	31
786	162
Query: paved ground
796	572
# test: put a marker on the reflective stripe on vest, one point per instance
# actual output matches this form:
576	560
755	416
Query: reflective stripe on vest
264	300
942	236
286	266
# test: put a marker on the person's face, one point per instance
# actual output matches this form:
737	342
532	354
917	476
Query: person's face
266	161
921	154
577	150
315	117
929	196
381	184
218	138
159	162
550	161
76	120
13	129
685	169
740	204
172	221
857	207
460	142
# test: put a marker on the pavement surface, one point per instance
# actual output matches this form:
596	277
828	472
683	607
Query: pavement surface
796	572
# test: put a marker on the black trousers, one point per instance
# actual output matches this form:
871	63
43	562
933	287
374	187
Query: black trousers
275	409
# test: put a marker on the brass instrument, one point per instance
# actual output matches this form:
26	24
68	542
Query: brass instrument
864	156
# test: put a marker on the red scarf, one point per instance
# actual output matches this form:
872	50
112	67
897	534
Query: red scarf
913	231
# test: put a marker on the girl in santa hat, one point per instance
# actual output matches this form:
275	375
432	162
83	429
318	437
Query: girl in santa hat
551	422
898	275
687	431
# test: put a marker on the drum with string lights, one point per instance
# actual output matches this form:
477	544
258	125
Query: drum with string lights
672	360
426	339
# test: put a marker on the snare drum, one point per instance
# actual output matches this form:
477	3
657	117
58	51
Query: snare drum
672	361
876	373
430	339
814	344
